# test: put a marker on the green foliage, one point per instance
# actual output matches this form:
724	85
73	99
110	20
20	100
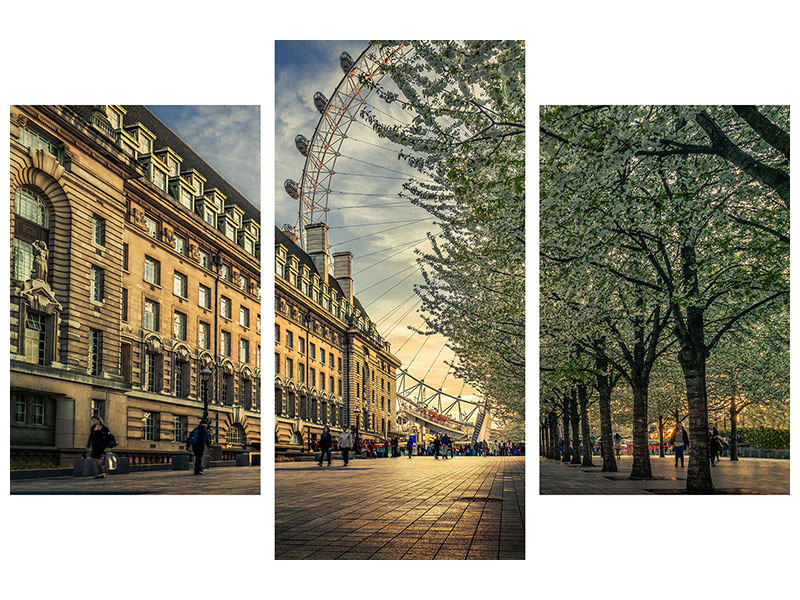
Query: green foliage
761	437
24	465
467	140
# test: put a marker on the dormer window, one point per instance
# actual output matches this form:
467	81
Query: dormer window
145	145
198	187
210	218
230	232
248	245
159	179
186	198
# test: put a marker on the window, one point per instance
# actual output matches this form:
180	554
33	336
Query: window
20	409
145	144
289	339
151	315
301	372
244	316
289	368
330	384
23	259
235	435
277	364
330	359
225	307
180	284
258	323
248	245
322	381
245	393
209	218
181	246
312	378
339	364
230	232
149	420
244	283
322	356
227	389
99	230
179	427
179	326
181	378
36	338
198	187
30	206
204	296
151	369
152	270
225	343
153	227
301	345
277	333
95	351
244	351
39	141
312	350
204	335
38	410
205	259
159	179
225	272
126	362
97	283
186	198
125	256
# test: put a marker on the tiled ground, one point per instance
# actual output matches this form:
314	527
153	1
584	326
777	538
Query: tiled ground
753	475
401	508
216	480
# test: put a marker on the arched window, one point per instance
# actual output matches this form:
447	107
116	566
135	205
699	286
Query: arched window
31	224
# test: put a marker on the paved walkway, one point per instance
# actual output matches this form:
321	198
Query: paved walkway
401	508
215	481
746	476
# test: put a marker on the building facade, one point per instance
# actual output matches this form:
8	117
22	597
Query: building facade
331	365
135	286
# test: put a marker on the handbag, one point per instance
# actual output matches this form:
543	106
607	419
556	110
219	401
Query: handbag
109	462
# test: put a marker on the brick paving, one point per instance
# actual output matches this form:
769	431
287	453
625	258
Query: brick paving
749	475
400	508
214	481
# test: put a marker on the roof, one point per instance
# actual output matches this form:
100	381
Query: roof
191	160
305	259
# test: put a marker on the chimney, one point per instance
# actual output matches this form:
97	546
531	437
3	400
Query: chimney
317	247
343	272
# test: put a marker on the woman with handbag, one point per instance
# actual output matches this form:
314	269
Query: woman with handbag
100	439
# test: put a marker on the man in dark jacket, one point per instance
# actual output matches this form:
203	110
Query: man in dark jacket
199	440
325	443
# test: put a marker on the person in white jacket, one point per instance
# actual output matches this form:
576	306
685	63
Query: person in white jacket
345	444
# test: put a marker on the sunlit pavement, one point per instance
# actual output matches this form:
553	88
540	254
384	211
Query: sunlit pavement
401	508
745	476
215	480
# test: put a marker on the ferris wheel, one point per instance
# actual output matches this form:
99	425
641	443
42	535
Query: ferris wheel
337	114
418	398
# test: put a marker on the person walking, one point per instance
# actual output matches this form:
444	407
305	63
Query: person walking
437	443
199	440
345	444
617	444
715	443
325	444
394	447
679	441
410	446
100	439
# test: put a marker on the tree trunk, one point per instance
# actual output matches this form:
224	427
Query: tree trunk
575	422
554	436
661	436
698	476
734	443
565	434
585	431
604	401
641	455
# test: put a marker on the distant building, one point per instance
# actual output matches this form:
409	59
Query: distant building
331	365
134	269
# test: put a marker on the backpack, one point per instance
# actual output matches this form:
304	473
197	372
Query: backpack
194	437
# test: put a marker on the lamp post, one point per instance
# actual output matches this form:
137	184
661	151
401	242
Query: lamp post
206	374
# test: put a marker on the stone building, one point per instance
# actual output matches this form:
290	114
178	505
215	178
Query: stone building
135	287
331	365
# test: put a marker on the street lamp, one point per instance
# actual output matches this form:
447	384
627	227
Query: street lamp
206	374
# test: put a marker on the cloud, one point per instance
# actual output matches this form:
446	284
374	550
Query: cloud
227	137
368	177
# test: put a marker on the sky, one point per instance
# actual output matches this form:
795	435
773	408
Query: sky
368	177
227	137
